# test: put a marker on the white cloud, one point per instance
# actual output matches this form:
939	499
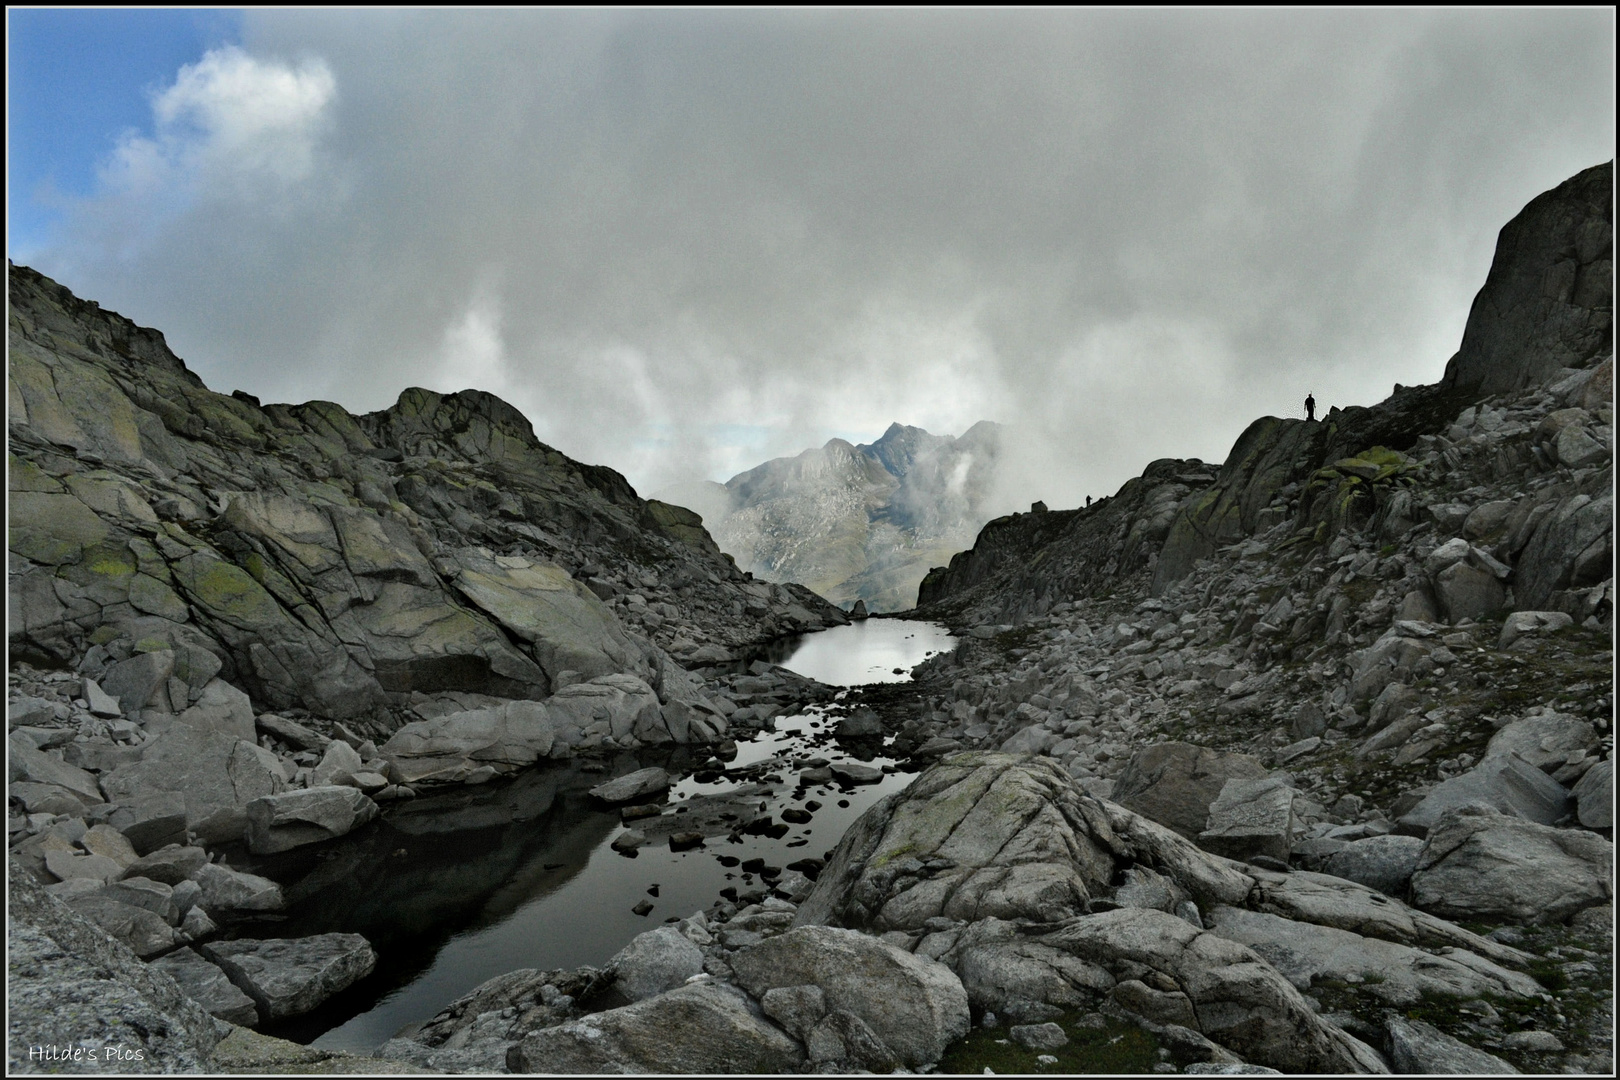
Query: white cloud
229	124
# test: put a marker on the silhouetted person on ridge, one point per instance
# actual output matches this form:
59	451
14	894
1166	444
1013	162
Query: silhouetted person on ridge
1310	407
1088	500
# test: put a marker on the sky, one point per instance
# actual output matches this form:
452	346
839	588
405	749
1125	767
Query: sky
686	241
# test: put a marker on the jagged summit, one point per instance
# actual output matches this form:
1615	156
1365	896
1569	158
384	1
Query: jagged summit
855	522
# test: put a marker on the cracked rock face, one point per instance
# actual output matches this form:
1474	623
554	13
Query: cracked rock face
1037	894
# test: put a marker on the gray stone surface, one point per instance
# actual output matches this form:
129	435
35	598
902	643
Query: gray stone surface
170	864
143	932
1522	623
1481	864
291	976
70	983
309	816
1399	975
1529	319
797	1008
1594	796
1175	783
152	821
701	1029
25	762
1384	863
1416	1047
654	962
209	987
1544	741
1504	781
632	786
1240	1000
1249	818
1465	591
215	774
226	892
449	747
916	1006
1047	1036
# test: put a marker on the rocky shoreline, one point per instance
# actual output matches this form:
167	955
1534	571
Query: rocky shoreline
1299	763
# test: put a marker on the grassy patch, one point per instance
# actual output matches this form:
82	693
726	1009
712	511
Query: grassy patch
1118	1048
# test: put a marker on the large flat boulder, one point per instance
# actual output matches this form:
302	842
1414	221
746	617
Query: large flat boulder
619	705
1175	783
566	625
446	748
227	893
291	976
1249	818
915	1005
217	776
1416	1048
632	786
306	816
1545	741
1478	863
699	1029
1398	975
1504	781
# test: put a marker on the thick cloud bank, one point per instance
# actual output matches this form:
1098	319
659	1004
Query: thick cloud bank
685	242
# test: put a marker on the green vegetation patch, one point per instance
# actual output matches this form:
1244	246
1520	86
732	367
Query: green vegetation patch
1117	1047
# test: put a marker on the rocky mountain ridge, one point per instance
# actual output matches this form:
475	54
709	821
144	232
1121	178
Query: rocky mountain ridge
333	563
855	522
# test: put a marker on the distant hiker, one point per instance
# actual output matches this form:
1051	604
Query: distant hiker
1310	407
1088	500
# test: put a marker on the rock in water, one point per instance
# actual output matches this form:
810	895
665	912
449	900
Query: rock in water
309	816
632	786
291	976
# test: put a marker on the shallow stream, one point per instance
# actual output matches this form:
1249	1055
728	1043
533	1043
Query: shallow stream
454	889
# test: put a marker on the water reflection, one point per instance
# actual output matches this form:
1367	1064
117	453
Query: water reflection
457	888
869	651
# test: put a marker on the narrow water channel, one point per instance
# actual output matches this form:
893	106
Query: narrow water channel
455	889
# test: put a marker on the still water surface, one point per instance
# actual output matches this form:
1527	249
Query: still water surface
456	889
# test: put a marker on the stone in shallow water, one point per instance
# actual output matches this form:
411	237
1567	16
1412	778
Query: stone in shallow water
294	975
1047	1036
632	786
851	773
309	816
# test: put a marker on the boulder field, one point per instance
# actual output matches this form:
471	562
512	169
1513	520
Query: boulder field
1298	762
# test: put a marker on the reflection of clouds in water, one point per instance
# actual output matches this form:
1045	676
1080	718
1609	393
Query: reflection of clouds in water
867	652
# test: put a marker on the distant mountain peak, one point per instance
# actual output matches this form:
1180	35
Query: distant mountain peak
855	522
